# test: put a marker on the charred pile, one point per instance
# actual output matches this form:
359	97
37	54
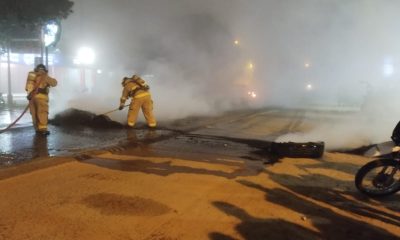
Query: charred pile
298	150
75	117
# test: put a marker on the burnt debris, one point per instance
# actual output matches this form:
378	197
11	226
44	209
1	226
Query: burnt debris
75	117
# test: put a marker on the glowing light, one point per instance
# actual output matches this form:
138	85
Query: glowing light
85	56
307	65
5	65
29	59
99	71
251	66
52	32
236	42
14	57
252	94
309	87
388	69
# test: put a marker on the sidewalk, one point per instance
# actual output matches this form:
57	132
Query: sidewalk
194	187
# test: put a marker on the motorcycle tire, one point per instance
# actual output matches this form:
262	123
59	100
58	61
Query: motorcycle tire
378	191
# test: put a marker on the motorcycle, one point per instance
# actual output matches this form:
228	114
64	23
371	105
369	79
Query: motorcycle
381	177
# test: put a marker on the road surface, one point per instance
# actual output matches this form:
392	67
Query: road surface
209	178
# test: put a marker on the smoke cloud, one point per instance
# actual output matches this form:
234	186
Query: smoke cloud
292	53
184	49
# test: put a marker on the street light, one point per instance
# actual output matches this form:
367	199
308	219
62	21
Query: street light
252	94
51	35
388	69
85	56
52	31
250	66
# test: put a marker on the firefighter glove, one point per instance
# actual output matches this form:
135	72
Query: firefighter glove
29	97
121	107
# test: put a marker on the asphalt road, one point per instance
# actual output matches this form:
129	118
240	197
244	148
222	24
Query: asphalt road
205	181
21	143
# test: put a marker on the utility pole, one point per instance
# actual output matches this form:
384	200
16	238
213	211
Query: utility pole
9	95
41	44
0	76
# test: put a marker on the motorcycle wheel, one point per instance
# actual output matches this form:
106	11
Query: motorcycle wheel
379	178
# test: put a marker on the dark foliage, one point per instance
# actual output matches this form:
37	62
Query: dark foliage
24	18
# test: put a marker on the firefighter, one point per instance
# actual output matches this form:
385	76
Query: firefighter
37	88
137	89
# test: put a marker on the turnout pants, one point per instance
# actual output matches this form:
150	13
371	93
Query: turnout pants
39	108
146	104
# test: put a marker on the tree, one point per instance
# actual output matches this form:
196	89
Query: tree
24	18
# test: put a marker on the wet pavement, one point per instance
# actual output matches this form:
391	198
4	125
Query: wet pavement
21	143
219	137
8	115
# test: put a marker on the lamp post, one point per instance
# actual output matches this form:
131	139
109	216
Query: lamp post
9	95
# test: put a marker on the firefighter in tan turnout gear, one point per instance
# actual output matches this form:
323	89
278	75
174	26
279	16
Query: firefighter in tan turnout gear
137	89
37	88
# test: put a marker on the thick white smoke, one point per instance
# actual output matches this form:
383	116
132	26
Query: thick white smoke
302	53
184	49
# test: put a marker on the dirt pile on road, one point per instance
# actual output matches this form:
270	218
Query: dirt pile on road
76	117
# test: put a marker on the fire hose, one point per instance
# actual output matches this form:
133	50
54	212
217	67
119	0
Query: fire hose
26	109
16	120
31	96
34	92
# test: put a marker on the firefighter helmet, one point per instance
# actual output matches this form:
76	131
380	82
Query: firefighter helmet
125	80
41	67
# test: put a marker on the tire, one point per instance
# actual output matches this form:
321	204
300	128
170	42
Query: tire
381	183
298	150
